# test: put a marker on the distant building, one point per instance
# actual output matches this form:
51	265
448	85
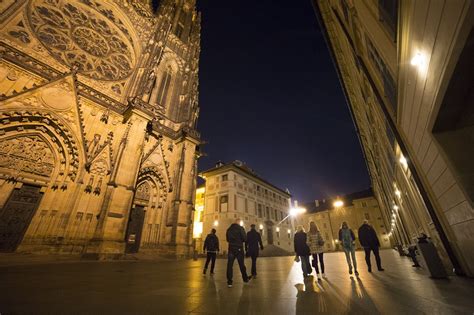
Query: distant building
353	208
233	191
406	68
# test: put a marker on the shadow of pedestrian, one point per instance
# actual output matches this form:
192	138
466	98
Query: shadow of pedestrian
360	300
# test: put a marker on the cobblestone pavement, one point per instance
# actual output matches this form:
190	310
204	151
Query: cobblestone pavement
178	287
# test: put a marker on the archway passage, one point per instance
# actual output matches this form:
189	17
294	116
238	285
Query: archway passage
16	216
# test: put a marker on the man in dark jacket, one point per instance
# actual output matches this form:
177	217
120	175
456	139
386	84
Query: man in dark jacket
302	251
254	242
236	238
369	240
211	244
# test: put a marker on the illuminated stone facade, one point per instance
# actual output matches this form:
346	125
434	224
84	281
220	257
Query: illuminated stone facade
98	147
234	191
406	69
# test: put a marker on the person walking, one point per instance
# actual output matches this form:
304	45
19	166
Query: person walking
252	246
316	242
302	251
236	238
211	245
370	242
347	239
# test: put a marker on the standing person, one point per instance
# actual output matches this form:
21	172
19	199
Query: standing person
302	250
254	242
369	240
211	244
347	239
236	238
316	242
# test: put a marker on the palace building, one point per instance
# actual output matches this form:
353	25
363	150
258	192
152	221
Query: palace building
406	68
235	191
328	214
98	140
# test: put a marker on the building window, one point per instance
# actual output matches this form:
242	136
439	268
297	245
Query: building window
225	177
325	225
180	27
364	204
258	188
260	214
223	202
163	89
388	15
389	85
267	212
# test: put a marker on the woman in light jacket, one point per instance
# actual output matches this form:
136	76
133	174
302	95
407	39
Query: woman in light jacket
316	246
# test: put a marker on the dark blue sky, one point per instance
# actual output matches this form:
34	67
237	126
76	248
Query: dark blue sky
270	97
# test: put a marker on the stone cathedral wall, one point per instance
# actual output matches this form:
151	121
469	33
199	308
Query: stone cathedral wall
87	154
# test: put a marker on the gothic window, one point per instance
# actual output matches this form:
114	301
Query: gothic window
180	27
164	87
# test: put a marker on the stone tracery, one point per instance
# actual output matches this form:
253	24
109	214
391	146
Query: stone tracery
94	40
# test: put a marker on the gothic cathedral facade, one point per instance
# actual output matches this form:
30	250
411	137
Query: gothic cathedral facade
98	140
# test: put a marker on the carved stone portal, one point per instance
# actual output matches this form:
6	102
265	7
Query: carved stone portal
28	154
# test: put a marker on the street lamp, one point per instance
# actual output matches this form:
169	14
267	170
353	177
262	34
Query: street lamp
338	204
297	210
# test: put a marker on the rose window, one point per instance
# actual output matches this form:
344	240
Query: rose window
86	34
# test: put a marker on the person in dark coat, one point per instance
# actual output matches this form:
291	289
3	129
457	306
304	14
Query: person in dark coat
302	251
254	243
236	237
211	245
369	241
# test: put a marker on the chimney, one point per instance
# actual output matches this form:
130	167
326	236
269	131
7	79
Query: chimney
219	164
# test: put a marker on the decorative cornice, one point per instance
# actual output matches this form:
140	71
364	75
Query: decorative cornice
26	62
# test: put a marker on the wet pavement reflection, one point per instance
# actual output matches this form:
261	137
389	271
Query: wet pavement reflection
179	287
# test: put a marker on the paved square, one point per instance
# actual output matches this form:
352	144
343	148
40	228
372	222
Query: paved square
178	287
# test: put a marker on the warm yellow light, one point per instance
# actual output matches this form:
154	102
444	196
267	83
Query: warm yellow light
278	229
395	207
241	223
403	161
338	203
197	230
289	231
216	223
398	193
261	226
418	60
296	211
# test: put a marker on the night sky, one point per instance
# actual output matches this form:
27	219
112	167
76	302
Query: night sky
270	97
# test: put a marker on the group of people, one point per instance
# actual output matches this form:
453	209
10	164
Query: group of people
311	244
241	244
306	245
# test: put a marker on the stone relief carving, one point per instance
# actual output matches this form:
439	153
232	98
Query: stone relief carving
84	34
143	191
29	154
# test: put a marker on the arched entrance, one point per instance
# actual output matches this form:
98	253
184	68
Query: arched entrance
145	216
29	157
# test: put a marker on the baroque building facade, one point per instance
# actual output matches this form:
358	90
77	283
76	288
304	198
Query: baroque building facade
352	208
234	191
98	140
406	70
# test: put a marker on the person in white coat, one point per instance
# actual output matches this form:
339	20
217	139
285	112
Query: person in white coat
315	243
